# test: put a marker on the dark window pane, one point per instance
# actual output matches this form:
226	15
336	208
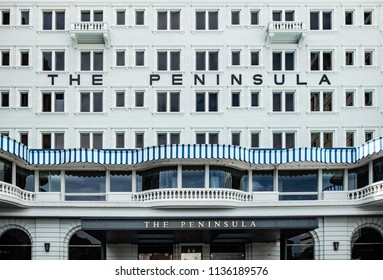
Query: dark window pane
200	61
277	61
120	17
59	102
213	60
60	61
367	18
213	102
6	18
289	16
85	140
255	140
162	61
85	15
140	61
290	140
161	139
235	139
47	143
200	102
97	102
59	140
277	15
24	138
60	20
174	102
254	99
327	140
161	101
85	61
289	61
85	102
200	138
120	140
5	58
4	99
140	17
327	61
235	58
315	140
24	60
174	138
235	99
98	61
314	57
349	98
213	20
98	16
327	20
162	20
139	99
277	140
47	61
23	99
349	18
235	17
120	99
200	20
314	20
97	140
120	181
47	20
289	102
139	140
327	101
255	58
254	18
24	17
175	20
47	102
120	58
315	105
213	138
174	61
277	102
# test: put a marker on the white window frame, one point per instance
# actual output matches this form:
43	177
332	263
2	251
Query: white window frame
321	137
168	19
53	100
53	138
283	133
53	57
321	100
320	62
168	94
54	11
91	66
169	60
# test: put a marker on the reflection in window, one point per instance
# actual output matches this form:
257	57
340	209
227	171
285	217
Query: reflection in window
228	178
332	180
15	245
157	178
263	181
25	179
83	246
367	244
300	247
87	185
298	184
5	171
358	177
378	170
193	176
120	181
49	181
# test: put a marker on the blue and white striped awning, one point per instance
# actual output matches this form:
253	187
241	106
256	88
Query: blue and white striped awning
189	151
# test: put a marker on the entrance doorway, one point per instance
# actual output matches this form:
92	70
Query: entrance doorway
155	251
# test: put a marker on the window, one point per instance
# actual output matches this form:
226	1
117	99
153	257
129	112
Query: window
283	102
168	20
367	17
254	140
207	138
236	58
139	139
139	17
120	58
91	101
368	98
254	17
350	58
321	139
236	99
5	58
164	138
207	20
207	101
120	140
24	98
4	102
139	99
254	95
5	17
321	101
349	17
254	58
24	138
53	101
52	140
24	17
283	15
235	138
207	60
53	20
120	17
92	60
350	139
368	135
283	140
368	58
168	101
320	20
139	58
168	60
321	61
120	98
96	16
235	17
283	60
53	60
91	140
24	58
349	102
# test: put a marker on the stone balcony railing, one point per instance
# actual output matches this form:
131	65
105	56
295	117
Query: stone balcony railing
89	26
286	26
366	192
16	193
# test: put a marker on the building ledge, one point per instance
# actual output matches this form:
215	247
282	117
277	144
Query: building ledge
285	32
90	33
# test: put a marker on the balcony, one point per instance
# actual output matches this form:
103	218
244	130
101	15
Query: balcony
286	32
90	33
11	195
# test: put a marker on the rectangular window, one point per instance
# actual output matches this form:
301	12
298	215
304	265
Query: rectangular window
322	139
4	99
236	139
283	140
350	139
120	17
368	135
24	138
139	58
206	20
53	20
164	138
5	58
368	98
53	61
24	17
53	140
235	17
139	99
206	102
53	101
5	17
349	17
168	102
321	101
94	16
120	140
321	61
120	99
235	99
91	140
207	138
235	58
91	60
367	17
349	102
283	102
168	60
350	57
321	20
139	17
254	58
207	60
139	139
254	17
91	101
254	99
254	140
24	99
168	20
24	58
120	58
368	58
283	60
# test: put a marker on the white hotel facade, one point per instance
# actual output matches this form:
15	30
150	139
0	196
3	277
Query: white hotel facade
191	129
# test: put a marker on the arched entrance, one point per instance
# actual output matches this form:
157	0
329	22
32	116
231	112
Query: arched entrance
367	244
15	244
299	247
83	246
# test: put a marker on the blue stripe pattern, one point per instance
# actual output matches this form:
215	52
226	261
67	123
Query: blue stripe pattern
189	151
